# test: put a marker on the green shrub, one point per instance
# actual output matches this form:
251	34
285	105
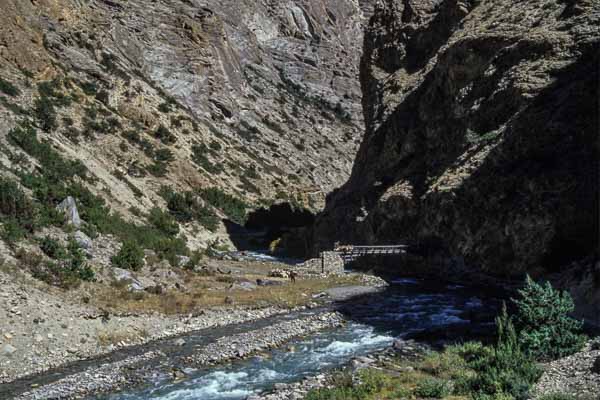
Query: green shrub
433	388
233	207
89	88
54	166
76	264
372	382
158	169
45	113
169	248
545	329
67	273
163	222
130	256
164	135
52	248
215	146
164	155
12	231
186	207
504	369
167	105
199	156
16	209
8	88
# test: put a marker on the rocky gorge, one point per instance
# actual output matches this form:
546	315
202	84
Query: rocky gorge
163	165
481	140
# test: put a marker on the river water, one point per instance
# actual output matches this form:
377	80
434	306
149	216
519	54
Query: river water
408	307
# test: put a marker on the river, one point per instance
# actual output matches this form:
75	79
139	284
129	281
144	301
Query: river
408	308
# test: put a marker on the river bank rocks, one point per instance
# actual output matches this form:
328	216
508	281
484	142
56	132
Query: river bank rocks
575	375
114	376
39	330
406	349
245	344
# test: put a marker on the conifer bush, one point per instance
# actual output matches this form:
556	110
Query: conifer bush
131	256
504	370
545	329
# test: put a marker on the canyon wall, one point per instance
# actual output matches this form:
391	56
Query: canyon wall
482	134
260	99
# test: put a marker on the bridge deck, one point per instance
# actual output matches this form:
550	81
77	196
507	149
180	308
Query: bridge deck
350	253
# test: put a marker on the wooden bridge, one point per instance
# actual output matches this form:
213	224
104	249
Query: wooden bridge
351	253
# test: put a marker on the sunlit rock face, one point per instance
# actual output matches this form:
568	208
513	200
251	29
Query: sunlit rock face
481	133
274	83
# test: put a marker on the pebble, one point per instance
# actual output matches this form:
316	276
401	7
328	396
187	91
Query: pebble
7	350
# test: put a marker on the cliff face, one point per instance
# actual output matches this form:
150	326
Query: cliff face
267	91
482	132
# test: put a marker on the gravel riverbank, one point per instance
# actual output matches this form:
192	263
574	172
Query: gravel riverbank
109	377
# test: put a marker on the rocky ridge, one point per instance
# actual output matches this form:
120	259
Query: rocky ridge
481	124
258	98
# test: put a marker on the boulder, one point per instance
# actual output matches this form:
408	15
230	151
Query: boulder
83	240
133	284
69	207
182	261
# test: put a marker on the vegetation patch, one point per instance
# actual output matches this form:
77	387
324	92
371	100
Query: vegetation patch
199	156
8	88
67	269
130	256
55	182
233	207
504	371
163	134
186	207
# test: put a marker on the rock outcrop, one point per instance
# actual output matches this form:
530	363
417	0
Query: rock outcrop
482	132
259	98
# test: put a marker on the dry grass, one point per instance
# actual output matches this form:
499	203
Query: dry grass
205	292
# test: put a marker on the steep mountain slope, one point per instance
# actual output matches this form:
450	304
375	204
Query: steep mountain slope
259	99
482	132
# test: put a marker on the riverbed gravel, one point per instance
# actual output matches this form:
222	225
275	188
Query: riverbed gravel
39	330
576	375
115	376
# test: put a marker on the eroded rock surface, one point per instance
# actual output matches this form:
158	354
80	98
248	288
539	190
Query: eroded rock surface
481	125
267	91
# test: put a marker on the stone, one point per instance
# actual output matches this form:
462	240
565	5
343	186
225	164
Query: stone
398	344
83	240
7	350
182	261
38	338
179	342
125	276
596	366
246	286
69	207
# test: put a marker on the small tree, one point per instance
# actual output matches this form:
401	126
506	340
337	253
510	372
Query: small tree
504	370
131	256
545	329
